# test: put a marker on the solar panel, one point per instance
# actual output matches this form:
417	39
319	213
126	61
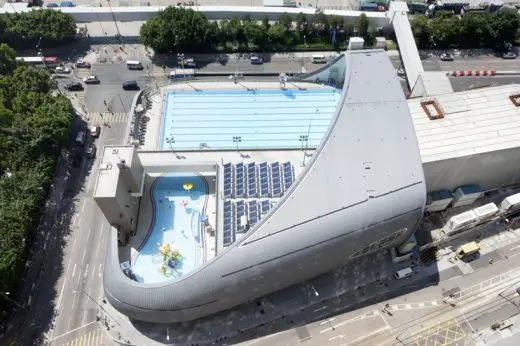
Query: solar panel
264	206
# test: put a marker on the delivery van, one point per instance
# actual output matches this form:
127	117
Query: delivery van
467	250
403	273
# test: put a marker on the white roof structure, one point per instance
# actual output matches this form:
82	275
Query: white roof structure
467	123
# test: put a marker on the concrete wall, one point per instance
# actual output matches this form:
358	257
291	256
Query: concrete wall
127	206
489	170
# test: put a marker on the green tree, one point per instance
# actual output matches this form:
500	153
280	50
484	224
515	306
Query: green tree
45	27
362	25
176	27
7	59
421	31
505	24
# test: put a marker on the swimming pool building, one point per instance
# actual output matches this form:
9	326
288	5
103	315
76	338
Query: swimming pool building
237	198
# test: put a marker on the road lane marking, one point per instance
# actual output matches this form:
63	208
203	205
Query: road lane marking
341	336
322	308
84	253
72	331
83	204
327	321
88	235
63	286
365	336
74	270
100	272
86	271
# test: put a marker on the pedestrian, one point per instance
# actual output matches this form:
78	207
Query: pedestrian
491	259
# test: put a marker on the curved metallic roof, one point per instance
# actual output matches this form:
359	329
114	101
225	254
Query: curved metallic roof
363	184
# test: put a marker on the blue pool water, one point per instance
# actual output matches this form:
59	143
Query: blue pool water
262	118
176	222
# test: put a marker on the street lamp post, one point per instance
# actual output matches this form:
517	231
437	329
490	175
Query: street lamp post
237	140
171	142
304	139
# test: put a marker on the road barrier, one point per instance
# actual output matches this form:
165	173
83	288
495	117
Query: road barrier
472	73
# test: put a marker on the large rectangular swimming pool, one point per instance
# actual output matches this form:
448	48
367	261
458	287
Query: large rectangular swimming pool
252	119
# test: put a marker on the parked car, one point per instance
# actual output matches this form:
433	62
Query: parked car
82	64
74	86
446	57
130	85
76	159
255	60
509	55
190	63
91	80
62	70
91	151
51	5
67	4
95	131
80	138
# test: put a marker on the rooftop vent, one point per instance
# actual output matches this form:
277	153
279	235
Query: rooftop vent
432	109
115	151
515	99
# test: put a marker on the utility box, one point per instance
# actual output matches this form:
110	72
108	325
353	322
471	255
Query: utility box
438	201
510	203
356	43
380	42
466	195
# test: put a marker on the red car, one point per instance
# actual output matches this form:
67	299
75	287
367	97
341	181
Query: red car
95	131
82	64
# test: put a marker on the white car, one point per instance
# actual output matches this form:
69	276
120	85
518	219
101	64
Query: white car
91	80
62	70
190	63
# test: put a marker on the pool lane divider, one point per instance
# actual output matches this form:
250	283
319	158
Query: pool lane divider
152	223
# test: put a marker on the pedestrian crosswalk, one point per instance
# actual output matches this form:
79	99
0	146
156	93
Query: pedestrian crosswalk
93	338
106	117
82	72
79	95
158	72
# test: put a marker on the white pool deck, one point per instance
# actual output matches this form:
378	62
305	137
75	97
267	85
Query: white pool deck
156	113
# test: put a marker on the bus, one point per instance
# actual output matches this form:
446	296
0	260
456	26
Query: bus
38	61
182	73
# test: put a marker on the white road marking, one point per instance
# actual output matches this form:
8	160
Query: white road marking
469	324
79	220
100	272
322	308
73	330
384	320
63	286
74	270
365	336
88	235
84	202
86	271
327	321
341	336
84	253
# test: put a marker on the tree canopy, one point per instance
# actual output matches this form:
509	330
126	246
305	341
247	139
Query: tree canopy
25	29
34	124
473	30
188	31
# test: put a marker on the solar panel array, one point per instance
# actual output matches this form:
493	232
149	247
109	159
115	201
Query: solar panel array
264	179
252	190
240	179
276	180
229	229
228	180
288	175
251	181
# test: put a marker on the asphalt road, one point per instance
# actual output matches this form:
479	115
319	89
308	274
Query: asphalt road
421	317
80	289
467	83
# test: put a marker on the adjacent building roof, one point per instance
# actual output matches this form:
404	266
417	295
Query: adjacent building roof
467	123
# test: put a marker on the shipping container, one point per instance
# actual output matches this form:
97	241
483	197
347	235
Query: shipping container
510	204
